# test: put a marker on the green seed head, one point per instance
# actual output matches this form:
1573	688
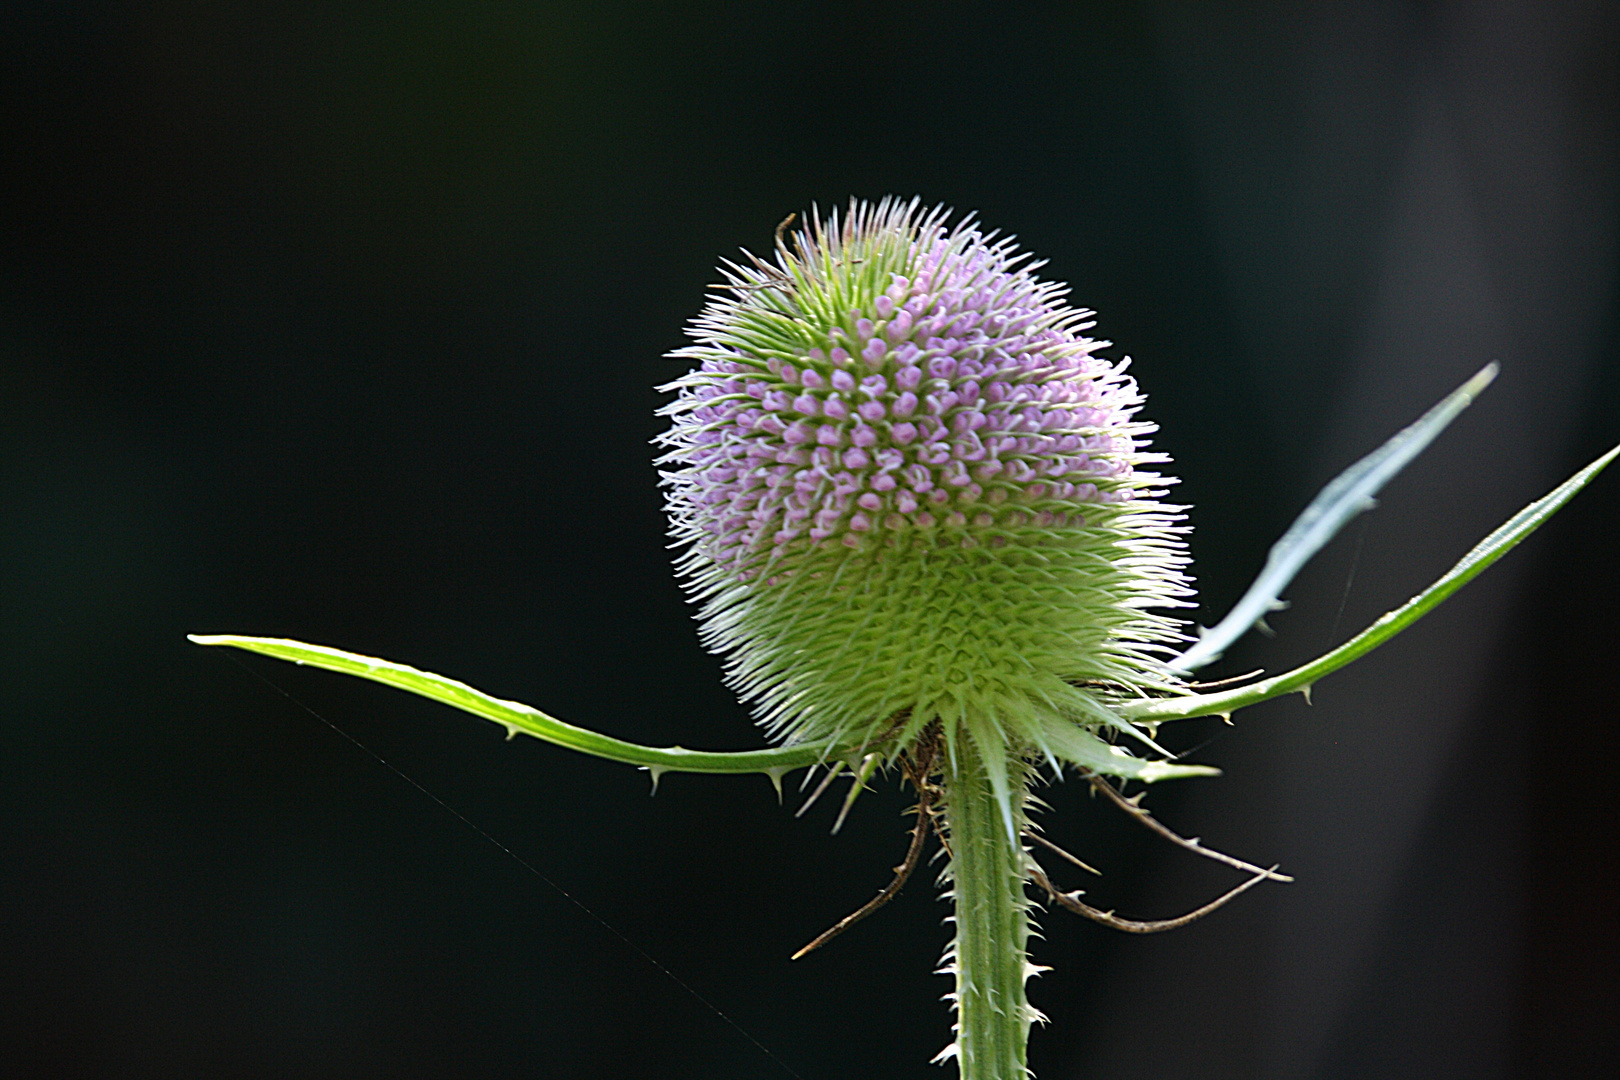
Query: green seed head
910	490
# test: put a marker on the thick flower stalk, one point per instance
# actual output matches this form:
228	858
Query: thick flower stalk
920	518
916	498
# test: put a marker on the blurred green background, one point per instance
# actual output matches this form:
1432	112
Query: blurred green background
343	322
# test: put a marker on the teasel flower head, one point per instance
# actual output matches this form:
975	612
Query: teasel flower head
919	515
910	489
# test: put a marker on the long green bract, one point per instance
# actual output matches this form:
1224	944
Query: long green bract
516	717
1349	494
1493	547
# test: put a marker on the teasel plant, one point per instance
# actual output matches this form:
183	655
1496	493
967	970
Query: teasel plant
917	511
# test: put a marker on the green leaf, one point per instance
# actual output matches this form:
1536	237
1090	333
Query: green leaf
1350	493
517	717
1493	547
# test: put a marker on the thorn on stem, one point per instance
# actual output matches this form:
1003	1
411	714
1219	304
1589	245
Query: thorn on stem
654	771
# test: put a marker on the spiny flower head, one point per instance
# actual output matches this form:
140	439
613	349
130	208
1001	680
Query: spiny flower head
910	490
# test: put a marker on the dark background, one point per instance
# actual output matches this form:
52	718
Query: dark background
342	322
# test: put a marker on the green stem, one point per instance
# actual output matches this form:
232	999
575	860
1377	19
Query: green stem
992	924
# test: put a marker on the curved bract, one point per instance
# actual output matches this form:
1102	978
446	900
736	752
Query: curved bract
1470	566
1064	740
1350	493
517	717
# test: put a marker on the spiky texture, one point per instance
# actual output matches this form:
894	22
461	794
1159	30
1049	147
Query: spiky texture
911	490
986	956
